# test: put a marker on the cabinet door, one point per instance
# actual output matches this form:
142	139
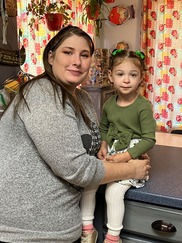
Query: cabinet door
139	218
99	95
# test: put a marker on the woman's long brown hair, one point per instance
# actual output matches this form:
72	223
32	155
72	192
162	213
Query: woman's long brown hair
53	44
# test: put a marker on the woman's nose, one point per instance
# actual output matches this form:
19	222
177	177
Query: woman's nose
76	60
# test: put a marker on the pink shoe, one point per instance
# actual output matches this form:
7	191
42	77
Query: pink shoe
90	237
120	241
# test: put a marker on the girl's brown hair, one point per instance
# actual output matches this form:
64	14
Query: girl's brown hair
118	56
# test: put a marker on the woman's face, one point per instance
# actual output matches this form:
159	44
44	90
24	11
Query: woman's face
71	61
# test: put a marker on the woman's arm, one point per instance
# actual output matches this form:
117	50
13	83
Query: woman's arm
137	169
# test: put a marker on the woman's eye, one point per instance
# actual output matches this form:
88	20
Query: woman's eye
134	75
85	55
67	52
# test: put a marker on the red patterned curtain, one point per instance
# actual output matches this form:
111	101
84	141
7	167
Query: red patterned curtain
162	43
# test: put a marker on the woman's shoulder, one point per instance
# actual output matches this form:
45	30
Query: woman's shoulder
40	87
40	91
39	84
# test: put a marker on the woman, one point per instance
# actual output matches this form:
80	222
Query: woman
48	139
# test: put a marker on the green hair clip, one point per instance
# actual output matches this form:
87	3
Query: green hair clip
140	54
116	51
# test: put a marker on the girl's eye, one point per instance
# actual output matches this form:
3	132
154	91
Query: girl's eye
134	75
120	74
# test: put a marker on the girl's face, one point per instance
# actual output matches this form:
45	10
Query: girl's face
71	61
126	77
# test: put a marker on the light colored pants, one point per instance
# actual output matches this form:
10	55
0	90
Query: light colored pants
115	192
115	206
87	205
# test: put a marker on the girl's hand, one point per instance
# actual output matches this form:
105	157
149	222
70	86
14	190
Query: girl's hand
119	157
145	156
102	154
103	151
115	158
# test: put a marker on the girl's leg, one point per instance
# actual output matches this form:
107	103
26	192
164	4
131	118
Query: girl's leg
87	205
115	210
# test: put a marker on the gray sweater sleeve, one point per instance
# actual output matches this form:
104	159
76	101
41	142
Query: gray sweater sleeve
56	135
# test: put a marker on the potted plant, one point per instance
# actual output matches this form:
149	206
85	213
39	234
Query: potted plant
55	13
94	11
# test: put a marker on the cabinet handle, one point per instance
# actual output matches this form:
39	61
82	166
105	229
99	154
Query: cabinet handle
163	226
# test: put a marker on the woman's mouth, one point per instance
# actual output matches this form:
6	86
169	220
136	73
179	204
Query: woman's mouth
75	72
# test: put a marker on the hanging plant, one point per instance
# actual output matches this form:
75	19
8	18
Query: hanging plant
93	14
93	10
54	21
40	9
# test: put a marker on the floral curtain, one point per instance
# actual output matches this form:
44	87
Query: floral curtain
35	41
162	42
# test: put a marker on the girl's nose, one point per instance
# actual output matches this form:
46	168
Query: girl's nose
126	79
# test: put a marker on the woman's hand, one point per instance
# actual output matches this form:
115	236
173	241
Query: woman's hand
140	168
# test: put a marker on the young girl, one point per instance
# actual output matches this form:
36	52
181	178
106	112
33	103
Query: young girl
127	131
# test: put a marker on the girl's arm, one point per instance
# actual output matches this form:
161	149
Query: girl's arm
119	157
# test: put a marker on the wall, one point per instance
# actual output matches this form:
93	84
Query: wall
111	34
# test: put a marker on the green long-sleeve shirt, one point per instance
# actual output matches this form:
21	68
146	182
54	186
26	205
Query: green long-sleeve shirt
129	122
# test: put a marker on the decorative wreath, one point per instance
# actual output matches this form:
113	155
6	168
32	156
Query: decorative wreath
120	14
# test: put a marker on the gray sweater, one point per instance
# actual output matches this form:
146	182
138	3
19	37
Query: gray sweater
46	160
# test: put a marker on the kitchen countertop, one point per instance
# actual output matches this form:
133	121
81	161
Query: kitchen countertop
164	186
